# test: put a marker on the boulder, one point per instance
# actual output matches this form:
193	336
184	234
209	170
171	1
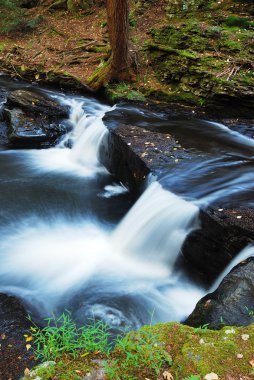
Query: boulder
37	103
14	324
232	304
30	131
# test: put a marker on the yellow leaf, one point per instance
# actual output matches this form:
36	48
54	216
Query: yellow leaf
85	354
26	372
37	76
29	338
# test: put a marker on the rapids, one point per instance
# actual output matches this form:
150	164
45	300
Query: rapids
72	239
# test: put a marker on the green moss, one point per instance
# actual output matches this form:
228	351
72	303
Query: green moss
206	351
199	58
123	91
2	46
241	22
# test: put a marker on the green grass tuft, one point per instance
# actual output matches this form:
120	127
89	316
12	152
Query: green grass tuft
61	335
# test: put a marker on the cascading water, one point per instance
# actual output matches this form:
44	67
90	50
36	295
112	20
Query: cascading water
157	226
64	247
243	255
69	258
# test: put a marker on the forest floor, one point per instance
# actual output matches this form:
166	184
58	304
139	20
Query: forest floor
198	57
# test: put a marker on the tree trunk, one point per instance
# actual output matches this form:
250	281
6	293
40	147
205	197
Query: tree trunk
118	67
118	29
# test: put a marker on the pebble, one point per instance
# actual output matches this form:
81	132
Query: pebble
245	336
231	331
211	376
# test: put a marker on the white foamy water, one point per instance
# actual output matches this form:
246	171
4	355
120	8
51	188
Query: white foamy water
243	255
88	131
46	262
122	275
157	225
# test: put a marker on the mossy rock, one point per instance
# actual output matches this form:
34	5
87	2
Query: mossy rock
204	60
200	351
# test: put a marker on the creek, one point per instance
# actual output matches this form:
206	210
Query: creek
72	237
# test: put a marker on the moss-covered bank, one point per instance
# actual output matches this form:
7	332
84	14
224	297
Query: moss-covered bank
170	349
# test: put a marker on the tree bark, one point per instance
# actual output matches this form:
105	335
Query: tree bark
118	29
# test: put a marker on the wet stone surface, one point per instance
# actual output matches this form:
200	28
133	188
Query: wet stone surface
135	152
232	304
14	324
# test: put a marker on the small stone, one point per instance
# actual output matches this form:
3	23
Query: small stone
220	209
211	376
231	331
245	336
239	217
239	356
201	341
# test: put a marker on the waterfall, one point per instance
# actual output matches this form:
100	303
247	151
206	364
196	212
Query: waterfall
78	151
157	225
59	253
243	255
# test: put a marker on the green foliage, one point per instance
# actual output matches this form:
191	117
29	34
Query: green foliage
201	328
61	335
143	355
13	17
240	22
124	90
192	377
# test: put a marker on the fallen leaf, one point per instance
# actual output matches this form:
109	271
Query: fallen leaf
252	362
85	354
29	338
27	372
167	376
28	346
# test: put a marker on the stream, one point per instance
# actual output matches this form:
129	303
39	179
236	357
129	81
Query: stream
72	237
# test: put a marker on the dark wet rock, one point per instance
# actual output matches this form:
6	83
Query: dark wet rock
30	131
3	126
36	103
223	234
134	152
13	326
232	304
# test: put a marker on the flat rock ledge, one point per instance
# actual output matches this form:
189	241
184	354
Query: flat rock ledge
134	153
